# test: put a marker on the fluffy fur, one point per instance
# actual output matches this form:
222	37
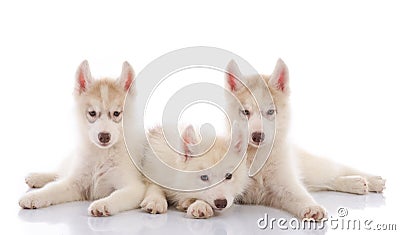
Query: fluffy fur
289	171
101	170
199	204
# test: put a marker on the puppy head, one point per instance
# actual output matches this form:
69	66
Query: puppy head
220	196
258	101
100	104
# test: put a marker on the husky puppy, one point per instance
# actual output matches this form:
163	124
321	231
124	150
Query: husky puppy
289	171
101	170
201	203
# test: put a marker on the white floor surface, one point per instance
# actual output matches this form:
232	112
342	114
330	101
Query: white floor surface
367	211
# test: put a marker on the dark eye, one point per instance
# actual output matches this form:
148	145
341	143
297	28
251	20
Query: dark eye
204	177
245	112
271	112
228	176
116	113
92	113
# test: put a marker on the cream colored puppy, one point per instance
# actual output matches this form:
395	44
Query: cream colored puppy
101	170
289	171
208	199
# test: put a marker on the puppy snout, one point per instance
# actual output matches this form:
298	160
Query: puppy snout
258	137
220	203
104	137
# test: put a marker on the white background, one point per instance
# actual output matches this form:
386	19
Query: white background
343	58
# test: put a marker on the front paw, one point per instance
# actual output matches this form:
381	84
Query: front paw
200	210
101	207
154	204
184	205
314	212
34	200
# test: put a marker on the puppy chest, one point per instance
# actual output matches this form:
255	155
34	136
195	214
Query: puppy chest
104	169
103	179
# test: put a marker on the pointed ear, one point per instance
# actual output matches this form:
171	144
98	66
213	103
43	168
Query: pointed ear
189	135
83	77
279	79
189	139
233	77
127	77
238	141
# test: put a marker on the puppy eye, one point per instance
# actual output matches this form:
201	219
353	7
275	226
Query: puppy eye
228	176
204	177
116	113
245	112
92	113
271	112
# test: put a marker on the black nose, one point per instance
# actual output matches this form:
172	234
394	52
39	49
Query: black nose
220	203
258	137
104	137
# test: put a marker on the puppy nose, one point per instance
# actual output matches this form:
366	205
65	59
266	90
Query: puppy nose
258	137
220	203
104	137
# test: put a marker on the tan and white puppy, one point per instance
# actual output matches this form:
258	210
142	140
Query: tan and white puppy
289	171
201	203
101	170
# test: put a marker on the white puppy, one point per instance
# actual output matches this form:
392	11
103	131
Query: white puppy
203	202
289	171
101	170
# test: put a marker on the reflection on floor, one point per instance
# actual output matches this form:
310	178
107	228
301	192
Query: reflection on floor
72	218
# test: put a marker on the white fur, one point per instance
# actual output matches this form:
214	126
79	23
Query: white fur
98	171
289	171
199	204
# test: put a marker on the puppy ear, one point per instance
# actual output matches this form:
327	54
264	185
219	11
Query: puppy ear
238	138
127	77
279	79
83	77
233	77
189	139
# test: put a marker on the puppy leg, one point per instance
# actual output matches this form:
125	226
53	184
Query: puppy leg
123	199
330	175
53	193
293	197
351	184
38	180
200	210
154	201
284	189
